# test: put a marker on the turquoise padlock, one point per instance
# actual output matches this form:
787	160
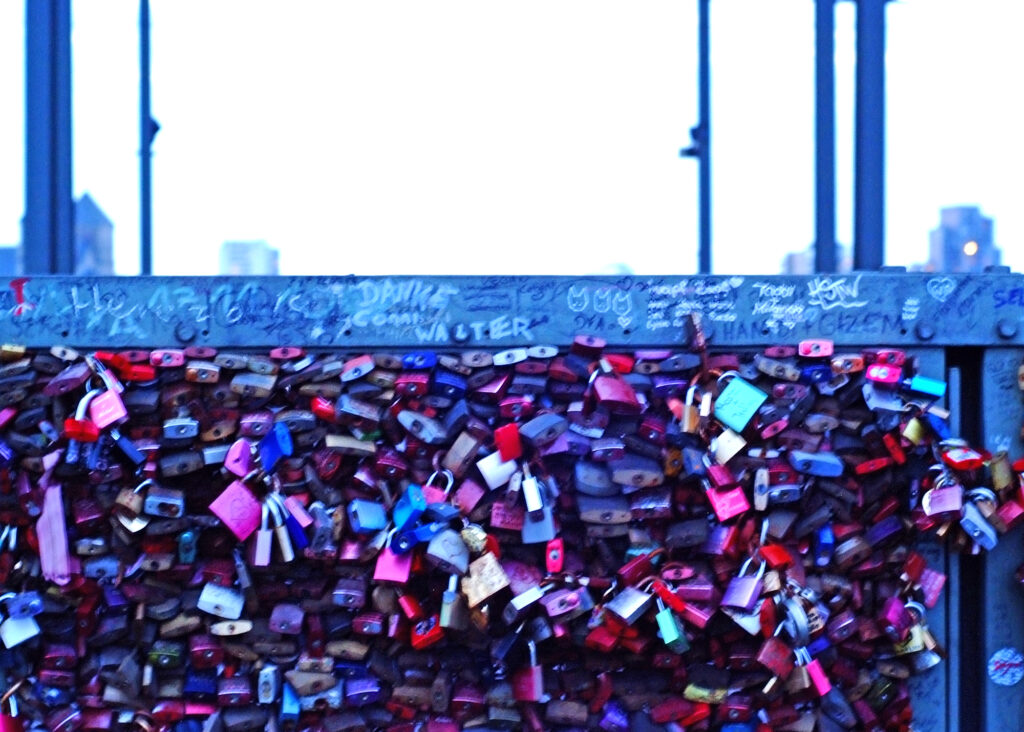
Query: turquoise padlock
738	401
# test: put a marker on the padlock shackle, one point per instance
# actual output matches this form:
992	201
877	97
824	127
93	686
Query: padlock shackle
448	476
83	404
8	696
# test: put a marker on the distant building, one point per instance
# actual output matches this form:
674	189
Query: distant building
94	239
248	258
802	263
962	242
10	261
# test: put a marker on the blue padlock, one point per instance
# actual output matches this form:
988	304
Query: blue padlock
938	425
295	531
409	507
924	385
289	704
419	360
403	542
366	517
817	374
276	445
824	544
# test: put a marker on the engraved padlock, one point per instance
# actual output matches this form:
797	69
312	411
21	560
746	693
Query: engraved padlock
944	497
448	552
737	402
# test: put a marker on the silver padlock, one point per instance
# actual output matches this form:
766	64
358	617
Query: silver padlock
14	631
609	510
448	552
495	471
629	605
164	502
268	684
538	530
974	523
532	493
224	602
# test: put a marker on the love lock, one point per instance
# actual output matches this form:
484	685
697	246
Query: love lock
427	538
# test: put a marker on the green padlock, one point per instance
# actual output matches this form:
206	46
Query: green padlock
737	402
670	630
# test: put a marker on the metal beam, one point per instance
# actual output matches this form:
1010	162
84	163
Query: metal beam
704	133
147	129
824	137
869	165
48	228
482	311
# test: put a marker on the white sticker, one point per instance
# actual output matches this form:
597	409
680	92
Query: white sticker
1006	667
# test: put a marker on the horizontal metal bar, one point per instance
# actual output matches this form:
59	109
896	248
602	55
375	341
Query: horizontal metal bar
482	311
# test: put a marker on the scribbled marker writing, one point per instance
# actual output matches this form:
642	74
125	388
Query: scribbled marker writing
18	287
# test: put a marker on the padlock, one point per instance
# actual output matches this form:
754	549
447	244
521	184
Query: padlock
744	590
130	502
629	604
447	551
670	629
538	530
262	544
486	578
366	517
238	508
11	722
163	502
391	567
737	401
106	409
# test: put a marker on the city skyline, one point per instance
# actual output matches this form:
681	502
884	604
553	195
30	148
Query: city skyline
439	141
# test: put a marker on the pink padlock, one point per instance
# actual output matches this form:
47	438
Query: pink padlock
391	567
818	677
437	494
727	503
106	409
895	619
239	459
944	497
238	508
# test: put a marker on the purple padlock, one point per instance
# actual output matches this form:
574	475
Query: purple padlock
895	619
743	591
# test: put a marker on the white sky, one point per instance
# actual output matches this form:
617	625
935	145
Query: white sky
470	136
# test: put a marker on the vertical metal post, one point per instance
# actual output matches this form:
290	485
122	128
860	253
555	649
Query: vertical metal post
869	166
48	228
704	133
146	133
824	137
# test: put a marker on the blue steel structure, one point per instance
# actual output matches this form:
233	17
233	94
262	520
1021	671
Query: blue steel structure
969	324
824	136
49	226
963	326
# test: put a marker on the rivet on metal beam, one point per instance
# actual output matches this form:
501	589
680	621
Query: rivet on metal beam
924	331
184	332
1006	328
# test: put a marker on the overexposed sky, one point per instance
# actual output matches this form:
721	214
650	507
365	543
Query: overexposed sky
471	136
